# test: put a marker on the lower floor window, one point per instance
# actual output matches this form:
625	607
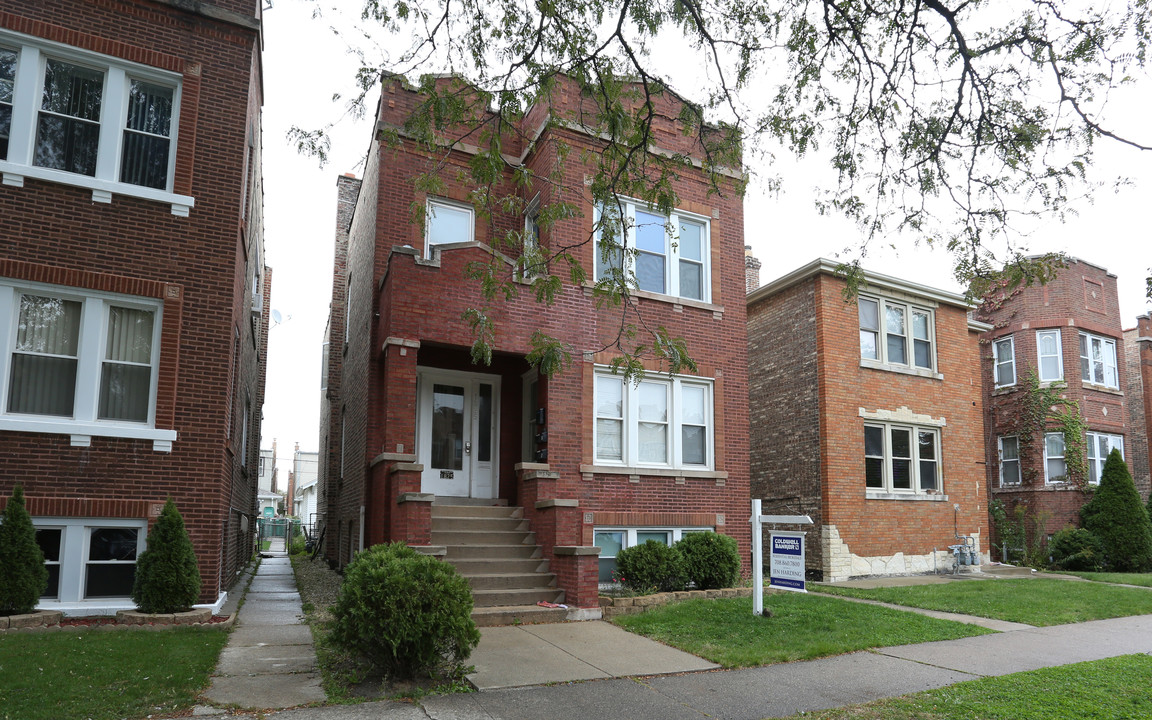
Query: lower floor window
612	540
1099	446
89	558
1055	469
901	459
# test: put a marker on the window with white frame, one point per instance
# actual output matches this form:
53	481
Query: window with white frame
902	459
895	333
1049	355
670	254
612	540
89	559
656	422
81	118
78	356
1098	361
1055	468
447	222
1099	446
1009	460
1004	361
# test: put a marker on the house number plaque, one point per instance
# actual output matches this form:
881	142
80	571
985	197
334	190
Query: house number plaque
447	475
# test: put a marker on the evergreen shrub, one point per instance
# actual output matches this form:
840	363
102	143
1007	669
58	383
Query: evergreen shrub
1116	515
407	613
651	566
1076	549
710	560
167	577
23	576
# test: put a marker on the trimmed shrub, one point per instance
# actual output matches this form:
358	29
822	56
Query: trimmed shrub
22	573
710	560
650	566
1076	549
405	612
167	577
1116	516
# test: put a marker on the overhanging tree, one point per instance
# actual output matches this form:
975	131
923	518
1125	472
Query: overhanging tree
951	122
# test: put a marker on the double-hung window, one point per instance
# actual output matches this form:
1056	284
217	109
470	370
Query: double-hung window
1009	460
89	559
1055	468
1099	446
895	333
653	423
1098	361
1004	361
1049	355
668	254
77	357
902	459
89	120
447	222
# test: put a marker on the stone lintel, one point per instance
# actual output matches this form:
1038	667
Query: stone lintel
575	550
406	467
393	457
415	497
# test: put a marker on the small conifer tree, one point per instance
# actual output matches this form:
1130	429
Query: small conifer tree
23	576
167	577
1116	516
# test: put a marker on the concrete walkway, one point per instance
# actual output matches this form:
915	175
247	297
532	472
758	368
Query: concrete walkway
268	661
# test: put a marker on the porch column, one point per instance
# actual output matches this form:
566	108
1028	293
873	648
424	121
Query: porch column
398	515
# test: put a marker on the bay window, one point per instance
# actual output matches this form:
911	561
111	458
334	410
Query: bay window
656	422
1098	361
1049	355
1055	468
668	254
901	459
897	334
1004	361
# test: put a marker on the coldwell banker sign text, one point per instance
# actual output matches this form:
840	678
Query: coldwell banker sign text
786	567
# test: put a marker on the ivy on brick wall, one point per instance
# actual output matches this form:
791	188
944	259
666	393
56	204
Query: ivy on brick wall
1045	408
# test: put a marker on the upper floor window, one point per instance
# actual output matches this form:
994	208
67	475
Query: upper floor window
81	358
656	422
670	255
1098	361
1049	355
901	459
1055	467
1009	460
85	119
1004	361
1099	445
895	333
447	222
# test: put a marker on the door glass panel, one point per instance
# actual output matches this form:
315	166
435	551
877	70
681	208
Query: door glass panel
448	427
484	432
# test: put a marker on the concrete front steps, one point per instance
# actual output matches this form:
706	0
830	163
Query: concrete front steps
493	549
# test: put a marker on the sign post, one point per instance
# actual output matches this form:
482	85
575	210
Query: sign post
791	555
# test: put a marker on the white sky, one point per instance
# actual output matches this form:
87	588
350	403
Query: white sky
305	64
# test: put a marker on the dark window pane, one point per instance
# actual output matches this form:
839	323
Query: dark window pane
693	445
927	446
67	144
896	350
927	474
150	109
484	431
874	441
52	590
874	472
5	124
72	90
902	474
113	544
111	580
144	160
901	444
607	567
923	352
49	542
125	391
447	435
42	385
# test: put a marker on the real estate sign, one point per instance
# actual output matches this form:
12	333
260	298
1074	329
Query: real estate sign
786	564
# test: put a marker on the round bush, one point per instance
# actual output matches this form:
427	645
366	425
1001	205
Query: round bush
405	612
1076	549
167	576
710	560
650	566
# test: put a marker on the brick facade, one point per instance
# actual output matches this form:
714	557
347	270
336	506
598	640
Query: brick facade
811	396
194	251
405	310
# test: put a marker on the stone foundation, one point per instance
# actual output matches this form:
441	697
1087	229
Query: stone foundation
840	563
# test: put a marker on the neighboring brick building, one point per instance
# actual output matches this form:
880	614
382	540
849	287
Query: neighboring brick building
412	420
1138	393
133	291
1066	331
866	416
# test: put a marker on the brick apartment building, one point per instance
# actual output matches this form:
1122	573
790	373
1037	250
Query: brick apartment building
1067	331
866	416
419	442
133	291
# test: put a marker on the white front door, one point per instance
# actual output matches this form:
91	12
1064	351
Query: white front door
456	432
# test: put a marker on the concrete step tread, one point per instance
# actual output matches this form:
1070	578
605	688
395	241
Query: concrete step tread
517	614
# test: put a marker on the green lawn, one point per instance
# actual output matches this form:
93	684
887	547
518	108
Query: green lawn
104	675
802	627
1143	579
1112	688
1035	601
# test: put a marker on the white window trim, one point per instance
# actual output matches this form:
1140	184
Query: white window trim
32	54
1092	438
85	423
882	362
671	248
890	492
430	206
997	360
629	440
1047	478
1000	453
1105	342
74	540
1059	357
676	534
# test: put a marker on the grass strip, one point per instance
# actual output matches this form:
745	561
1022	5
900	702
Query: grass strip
1112	688
1141	579
802	627
104	675
1033	601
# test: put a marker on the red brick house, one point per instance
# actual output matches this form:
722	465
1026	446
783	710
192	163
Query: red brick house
133	291
866	416
1067	331
420	443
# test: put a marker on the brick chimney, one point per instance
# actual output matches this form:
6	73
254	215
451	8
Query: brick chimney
751	270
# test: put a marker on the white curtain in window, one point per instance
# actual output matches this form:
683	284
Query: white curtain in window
126	377
43	379
653	416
